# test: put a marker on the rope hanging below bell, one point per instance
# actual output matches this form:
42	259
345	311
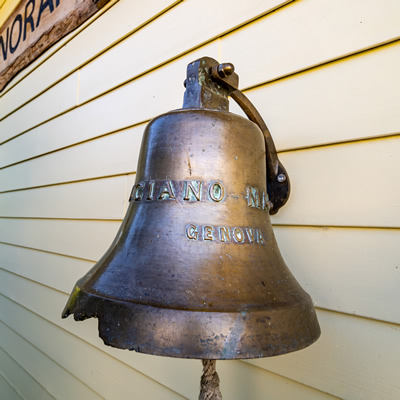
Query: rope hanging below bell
209	383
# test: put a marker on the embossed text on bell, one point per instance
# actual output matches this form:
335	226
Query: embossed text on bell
195	270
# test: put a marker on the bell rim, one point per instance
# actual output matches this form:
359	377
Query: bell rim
217	335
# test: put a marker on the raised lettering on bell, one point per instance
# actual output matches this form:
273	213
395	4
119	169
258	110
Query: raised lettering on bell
224	234
191	191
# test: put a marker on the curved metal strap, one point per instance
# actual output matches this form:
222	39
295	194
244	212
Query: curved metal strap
278	184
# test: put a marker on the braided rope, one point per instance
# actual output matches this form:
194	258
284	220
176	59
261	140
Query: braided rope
209	384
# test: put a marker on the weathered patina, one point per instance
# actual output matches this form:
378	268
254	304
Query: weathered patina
195	270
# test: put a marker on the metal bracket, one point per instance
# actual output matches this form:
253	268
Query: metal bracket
278	184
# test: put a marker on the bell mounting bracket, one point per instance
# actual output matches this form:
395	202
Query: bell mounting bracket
208	85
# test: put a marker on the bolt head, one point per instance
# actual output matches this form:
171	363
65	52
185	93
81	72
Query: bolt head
281	178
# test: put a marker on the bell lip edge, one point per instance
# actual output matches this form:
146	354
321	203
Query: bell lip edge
211	356
77	304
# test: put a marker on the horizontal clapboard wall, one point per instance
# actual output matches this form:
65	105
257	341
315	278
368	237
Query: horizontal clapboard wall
323	74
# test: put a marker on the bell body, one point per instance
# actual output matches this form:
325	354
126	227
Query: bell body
195	270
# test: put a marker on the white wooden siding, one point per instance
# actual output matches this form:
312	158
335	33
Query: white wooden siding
59	382
314	98
128	106
18	378
366	101
324	75
306	34
7	390
88	200
87	44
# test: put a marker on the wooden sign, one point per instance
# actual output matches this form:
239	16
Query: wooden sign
34	26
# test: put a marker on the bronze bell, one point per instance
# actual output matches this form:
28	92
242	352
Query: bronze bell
195	270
